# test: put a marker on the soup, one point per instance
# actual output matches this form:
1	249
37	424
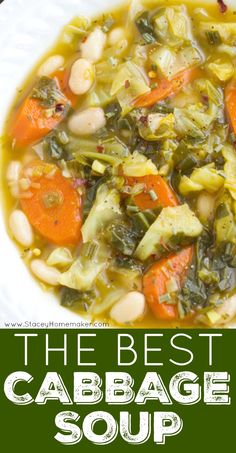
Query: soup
119	155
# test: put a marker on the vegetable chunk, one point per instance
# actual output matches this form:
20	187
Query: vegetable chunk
52	206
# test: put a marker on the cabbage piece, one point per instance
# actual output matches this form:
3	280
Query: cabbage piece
113	149
222	68
99	97
171	61
60	257
176	224
84	157
76	29
105	210
213	93
226	30
193	121
204	178
131	73
229	154
129	83
105	73
159	126
84	271
173	26
196	120
138	165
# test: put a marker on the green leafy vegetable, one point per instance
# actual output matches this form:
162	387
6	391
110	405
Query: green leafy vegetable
125	262
53	148
72	298
145	27
213	37
122	238
47	92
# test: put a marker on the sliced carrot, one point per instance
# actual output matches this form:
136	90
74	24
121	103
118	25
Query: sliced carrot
230	101
31	123
167	88
156	279
165	195
52	205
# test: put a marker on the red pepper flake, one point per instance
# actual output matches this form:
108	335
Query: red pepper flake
100	149
205	98
127	84
84	39
60	108
223	7
78	182
143	120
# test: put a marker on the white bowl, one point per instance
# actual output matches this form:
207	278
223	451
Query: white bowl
28	29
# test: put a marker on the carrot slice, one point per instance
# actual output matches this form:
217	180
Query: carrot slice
165	195
31	122
167	88
156	279
230	101
51	204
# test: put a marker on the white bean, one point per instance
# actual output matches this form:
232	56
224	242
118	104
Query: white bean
205	206
21	228
51	65
13	171
87	122
92	48
116	35
13	174
129	308
45	273
81	76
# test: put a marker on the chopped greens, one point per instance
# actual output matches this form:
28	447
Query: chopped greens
146	28
80	300
47	92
